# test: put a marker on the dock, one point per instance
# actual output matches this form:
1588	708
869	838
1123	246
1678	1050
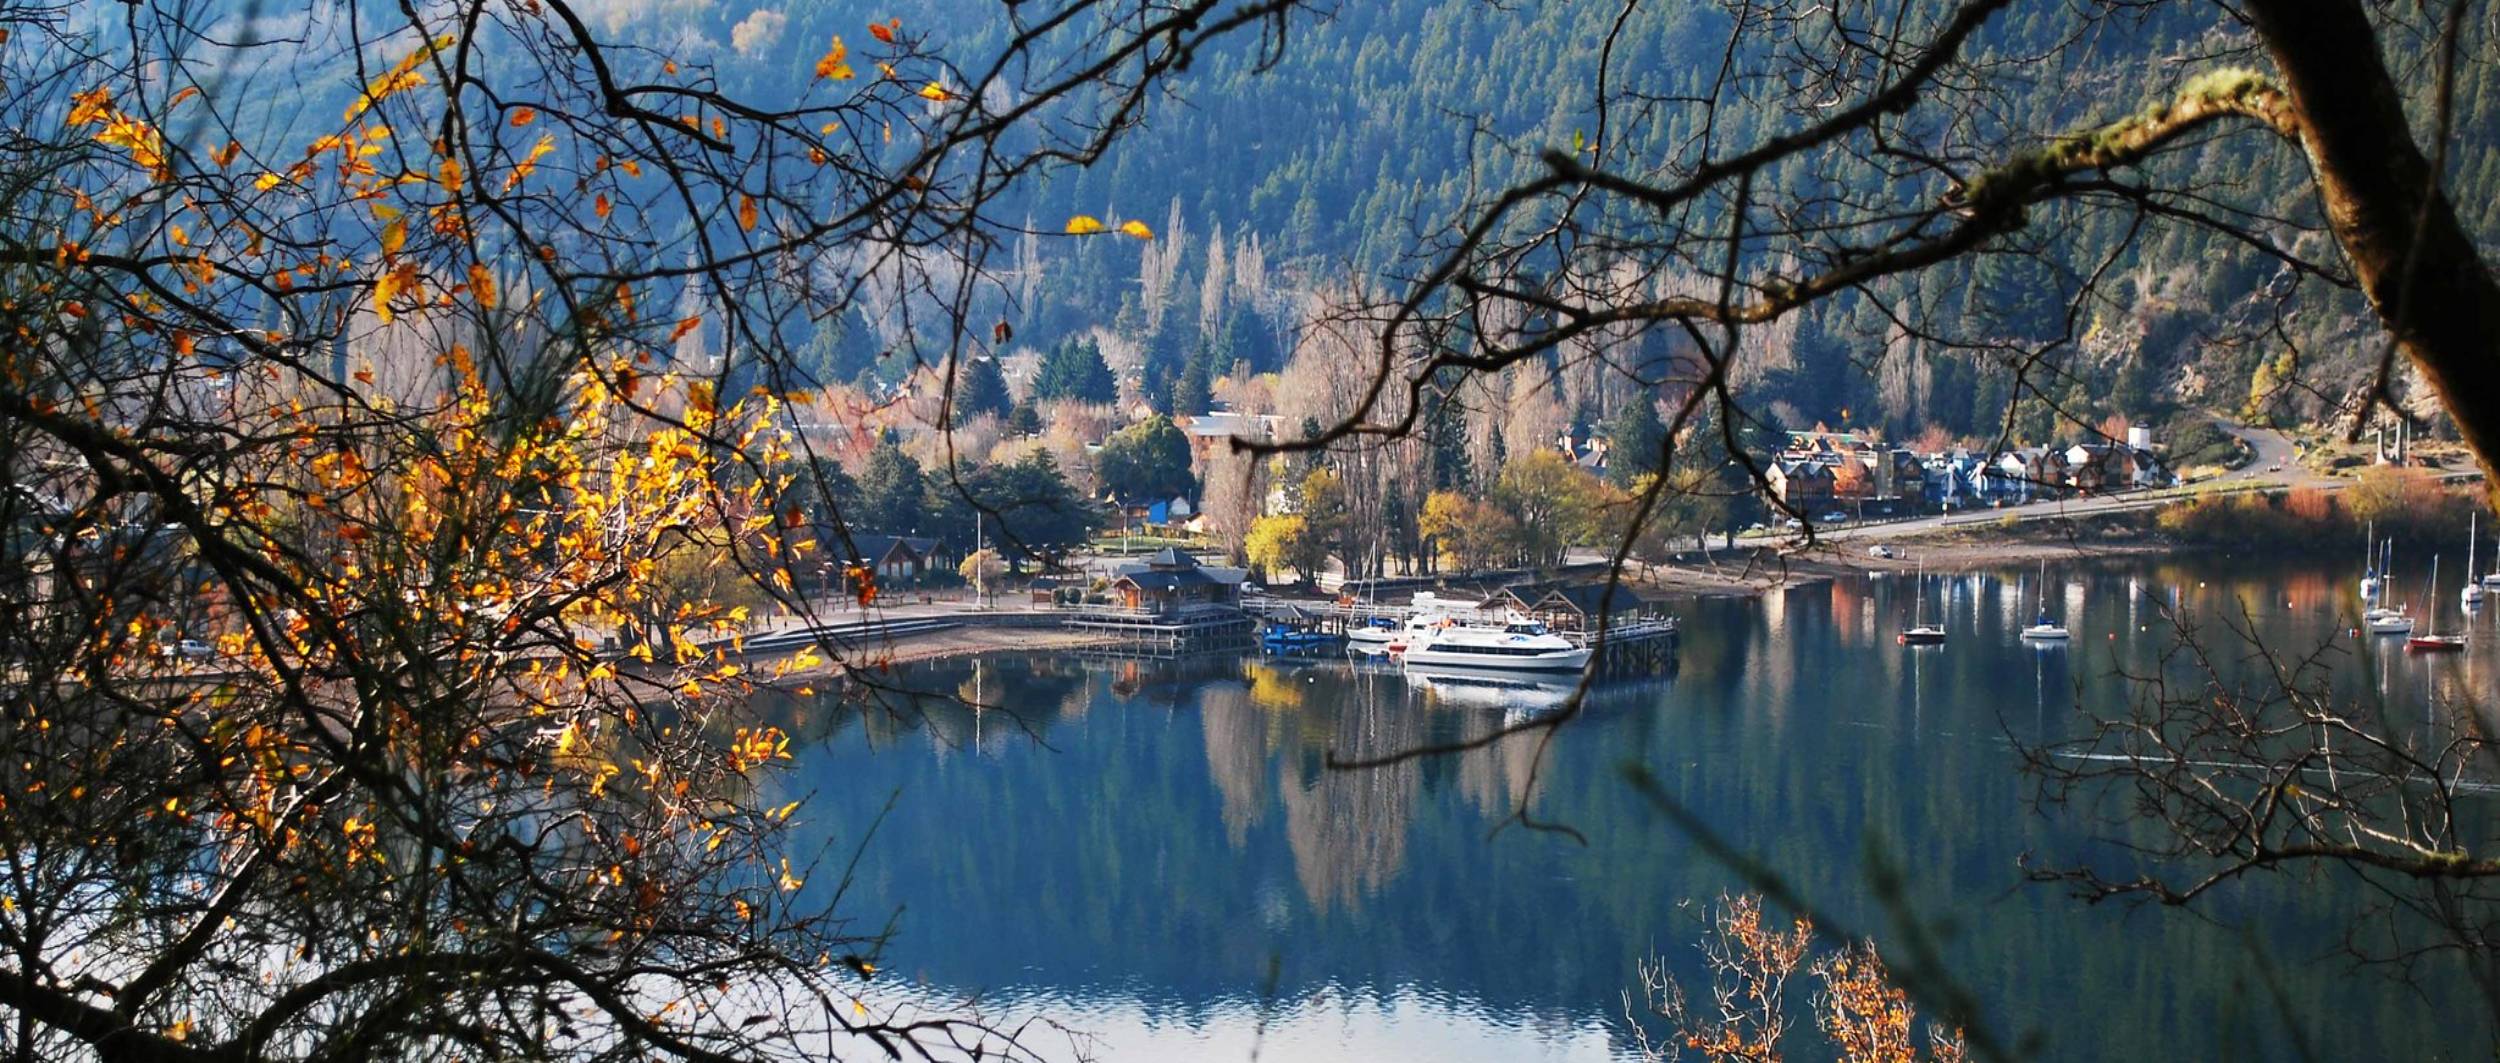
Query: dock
1167	633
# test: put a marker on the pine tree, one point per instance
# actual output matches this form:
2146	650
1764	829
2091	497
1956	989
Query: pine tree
1074	369
981	390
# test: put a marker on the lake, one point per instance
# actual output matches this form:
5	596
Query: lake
1156	853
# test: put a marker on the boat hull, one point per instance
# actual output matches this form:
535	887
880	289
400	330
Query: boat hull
2045	634
1557	661
1921	637
2434	644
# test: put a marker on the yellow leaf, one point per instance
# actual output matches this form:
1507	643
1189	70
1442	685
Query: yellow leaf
268	181
833	66
394	236
1138	229
1084	225
937	92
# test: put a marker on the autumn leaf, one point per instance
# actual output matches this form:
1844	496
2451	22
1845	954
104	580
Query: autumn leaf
522	116
521	170
746	213
885	31
599	205
1138	229
685	326
935	91
394	236
1084	225
482	284
834	66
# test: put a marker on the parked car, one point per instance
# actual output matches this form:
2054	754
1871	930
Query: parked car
1833	517
1880	550
187	649
1792	524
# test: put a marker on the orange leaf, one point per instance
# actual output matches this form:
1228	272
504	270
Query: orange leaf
746	213
833	66
599	205
685	326
522	116
885	31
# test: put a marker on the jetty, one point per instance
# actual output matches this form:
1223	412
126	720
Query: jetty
1168	605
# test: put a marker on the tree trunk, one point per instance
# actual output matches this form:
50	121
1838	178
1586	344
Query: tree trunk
2414	261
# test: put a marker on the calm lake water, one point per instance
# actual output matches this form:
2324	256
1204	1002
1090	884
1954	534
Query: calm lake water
1156	854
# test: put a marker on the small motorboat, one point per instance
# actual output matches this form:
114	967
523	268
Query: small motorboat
1287	639
1922	635
1373	637
2428	643
2387	622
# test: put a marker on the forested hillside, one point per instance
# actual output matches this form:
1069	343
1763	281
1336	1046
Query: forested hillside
1327	162
1376	128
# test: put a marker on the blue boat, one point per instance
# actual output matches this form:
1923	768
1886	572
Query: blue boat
1287	639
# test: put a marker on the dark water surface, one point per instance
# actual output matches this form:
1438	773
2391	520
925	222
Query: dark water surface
1155	852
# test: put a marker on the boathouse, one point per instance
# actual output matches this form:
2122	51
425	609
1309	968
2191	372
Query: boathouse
1574	608
1171	583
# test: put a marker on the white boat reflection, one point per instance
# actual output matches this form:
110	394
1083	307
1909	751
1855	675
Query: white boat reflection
1492	688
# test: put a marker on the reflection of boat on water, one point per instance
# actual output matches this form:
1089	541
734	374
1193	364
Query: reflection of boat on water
1520	646
1460	686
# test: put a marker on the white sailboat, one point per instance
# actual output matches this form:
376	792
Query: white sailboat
2369	566
2045	629
1922	633
2472	595
2380	619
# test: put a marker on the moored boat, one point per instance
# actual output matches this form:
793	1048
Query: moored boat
1520	646
2046	628
1920	632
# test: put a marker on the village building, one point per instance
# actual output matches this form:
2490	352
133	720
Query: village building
1800	484
1170	583
894	558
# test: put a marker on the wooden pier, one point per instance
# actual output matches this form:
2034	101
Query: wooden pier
1158	633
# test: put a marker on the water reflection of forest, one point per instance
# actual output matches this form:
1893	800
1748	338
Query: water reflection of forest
1268	737
1269	729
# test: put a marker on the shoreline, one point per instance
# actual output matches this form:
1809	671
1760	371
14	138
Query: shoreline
1747	572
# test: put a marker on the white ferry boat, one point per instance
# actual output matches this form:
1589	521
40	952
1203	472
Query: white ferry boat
1520	646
